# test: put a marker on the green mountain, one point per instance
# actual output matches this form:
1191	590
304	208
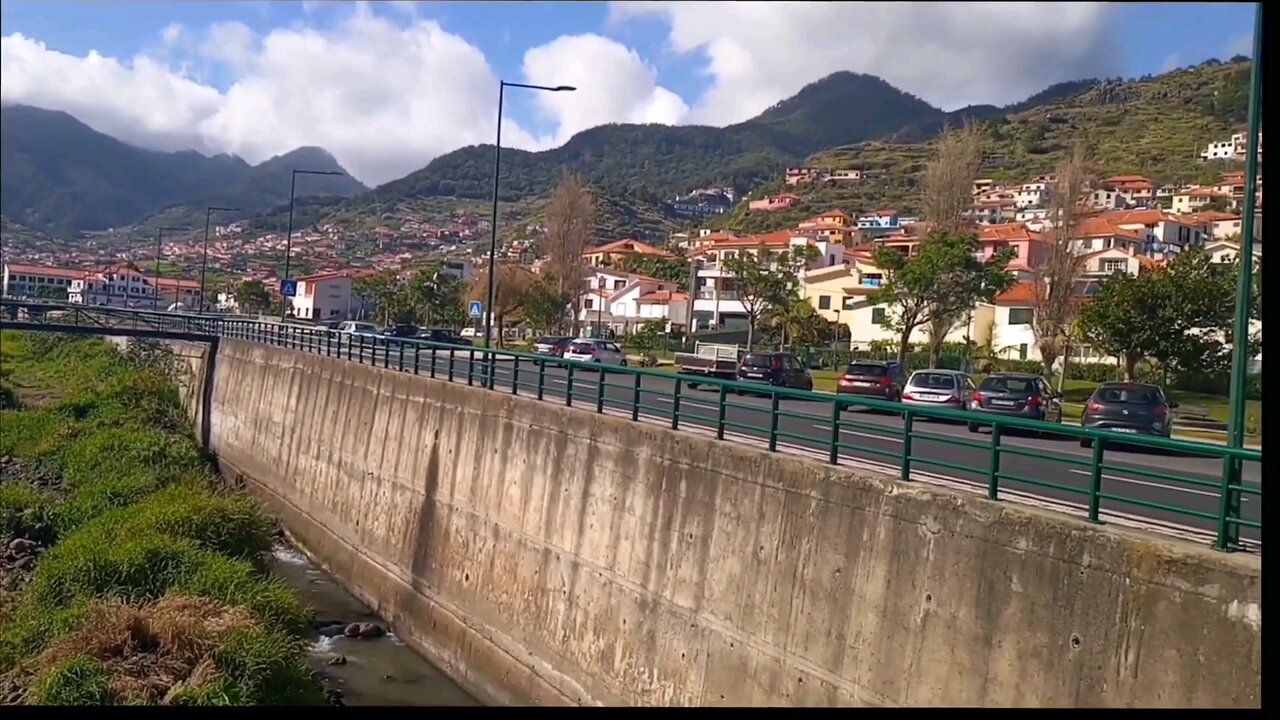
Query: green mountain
62	177
1154	126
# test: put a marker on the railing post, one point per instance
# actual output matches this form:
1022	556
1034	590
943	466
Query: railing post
568	388
833	453
471	364
993	466
721	408
773	422
401	356
675	405
1226	535
907	418
416	350
433	361
515	376
635	397
1095	479
600	390
452	352
542	377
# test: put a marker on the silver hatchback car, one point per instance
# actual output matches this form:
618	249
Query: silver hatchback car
950	389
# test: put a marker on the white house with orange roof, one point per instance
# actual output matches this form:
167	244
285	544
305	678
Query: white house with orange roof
833	226
771	203
1185	202
1135	190
1165	233
324	296
610	254
23	280
624	301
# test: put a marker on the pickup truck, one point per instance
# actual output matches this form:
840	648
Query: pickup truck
718	361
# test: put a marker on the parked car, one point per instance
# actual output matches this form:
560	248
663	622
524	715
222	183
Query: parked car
400	330
873	378
443	336
355	327
1128	407
595	350
551	345
1017	394
939	388
780	369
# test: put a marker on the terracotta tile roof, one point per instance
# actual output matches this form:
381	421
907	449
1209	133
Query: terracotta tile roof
178	283
1209	216
1006	232
327	275
627	245
663	296
777	238
45	271
1101	226
1127	179
1020	293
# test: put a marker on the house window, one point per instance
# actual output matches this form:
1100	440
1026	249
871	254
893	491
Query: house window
617	284
878	316
1114	265
587	303
1021	316
824	302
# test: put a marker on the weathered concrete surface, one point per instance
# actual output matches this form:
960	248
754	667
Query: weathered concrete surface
546	555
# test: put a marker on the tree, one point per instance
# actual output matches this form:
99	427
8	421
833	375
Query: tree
947	185
1119	321
799	323
765	279
252	296
570	222
432	297
945	278
511	286
545	307
670	269
649	337
51	292
1056	278
385	292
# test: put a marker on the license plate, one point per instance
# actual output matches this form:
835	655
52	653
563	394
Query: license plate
1003	403
864	383
1124	430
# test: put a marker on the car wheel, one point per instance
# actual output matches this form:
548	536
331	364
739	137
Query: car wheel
973	427
692	385
1086	442
623	363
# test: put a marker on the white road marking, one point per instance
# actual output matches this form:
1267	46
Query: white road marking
871	436
1148	483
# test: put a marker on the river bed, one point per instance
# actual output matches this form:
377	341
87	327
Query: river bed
380	671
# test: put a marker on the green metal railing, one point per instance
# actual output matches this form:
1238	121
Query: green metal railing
1096	481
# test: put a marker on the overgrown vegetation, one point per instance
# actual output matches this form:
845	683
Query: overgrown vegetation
150	586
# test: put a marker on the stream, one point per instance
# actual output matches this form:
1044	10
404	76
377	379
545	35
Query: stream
379	671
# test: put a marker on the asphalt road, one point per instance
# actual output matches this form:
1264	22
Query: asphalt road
874	440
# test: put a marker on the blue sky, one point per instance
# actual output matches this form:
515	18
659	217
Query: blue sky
653	62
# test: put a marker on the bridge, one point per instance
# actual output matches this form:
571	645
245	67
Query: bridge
1174	486
550	531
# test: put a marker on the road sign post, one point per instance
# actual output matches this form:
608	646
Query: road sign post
289	287
475	309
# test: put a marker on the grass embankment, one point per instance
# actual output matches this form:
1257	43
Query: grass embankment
140	582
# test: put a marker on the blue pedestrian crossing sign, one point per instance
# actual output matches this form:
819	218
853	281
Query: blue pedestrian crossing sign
289	287
475	309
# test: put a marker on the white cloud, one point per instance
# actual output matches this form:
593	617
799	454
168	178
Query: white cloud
613	85
384	98
950	54
172	34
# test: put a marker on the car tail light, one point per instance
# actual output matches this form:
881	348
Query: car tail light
1033	401
1093	405
908	396
1161	411
846	379
885	381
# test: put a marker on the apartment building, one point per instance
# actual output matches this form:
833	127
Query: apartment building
325	296
31	281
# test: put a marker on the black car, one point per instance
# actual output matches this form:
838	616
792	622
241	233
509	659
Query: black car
873	378
443	336
400	330
552	345
780	369
1127	407
1017	394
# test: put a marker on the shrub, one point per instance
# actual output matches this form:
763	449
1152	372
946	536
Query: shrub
1093	372
24	512
81	680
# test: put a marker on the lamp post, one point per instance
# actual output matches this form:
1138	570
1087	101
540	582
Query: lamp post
493	225
204	258
155	291
288	239
1228	532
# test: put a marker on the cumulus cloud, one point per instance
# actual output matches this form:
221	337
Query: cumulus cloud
613	85
949	54
384	98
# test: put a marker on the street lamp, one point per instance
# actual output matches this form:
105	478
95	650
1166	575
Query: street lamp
1228	533
155	291
204	259
493	225
288	241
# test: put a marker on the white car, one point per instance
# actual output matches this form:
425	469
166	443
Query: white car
353	327
595	350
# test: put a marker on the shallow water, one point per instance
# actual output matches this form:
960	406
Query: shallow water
382	671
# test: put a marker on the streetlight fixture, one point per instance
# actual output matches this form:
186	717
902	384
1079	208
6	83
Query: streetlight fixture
288	241
155	291
204	258
1228	532
493	225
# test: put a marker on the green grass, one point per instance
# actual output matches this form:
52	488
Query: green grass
136	518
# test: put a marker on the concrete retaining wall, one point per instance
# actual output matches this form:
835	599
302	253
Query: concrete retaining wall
545	555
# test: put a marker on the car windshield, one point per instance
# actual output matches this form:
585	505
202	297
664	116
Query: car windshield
1016	386
867	370
934	381
757	360
1137	395
548	340
582	348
